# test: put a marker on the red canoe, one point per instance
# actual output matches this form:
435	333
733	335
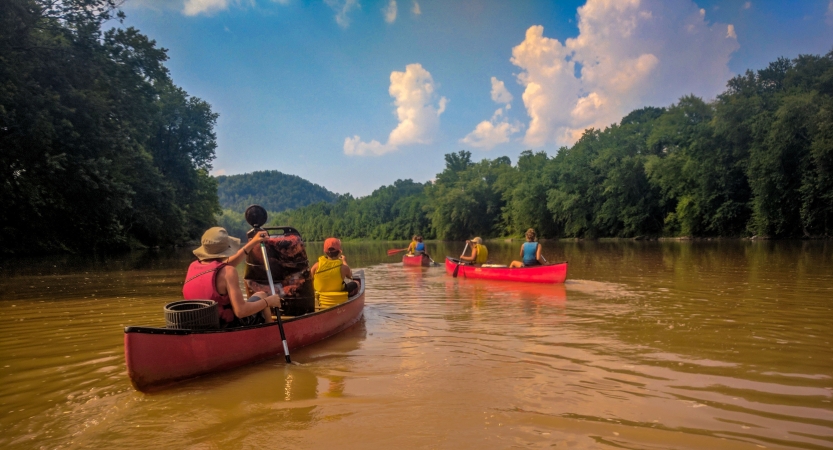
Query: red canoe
553	273
159	356
416	260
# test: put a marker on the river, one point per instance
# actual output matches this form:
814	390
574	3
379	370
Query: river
648	345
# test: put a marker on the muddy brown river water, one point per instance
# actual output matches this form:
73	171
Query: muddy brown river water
649	345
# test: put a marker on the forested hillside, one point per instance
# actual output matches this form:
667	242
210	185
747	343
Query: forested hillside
271	189
758	160
99	148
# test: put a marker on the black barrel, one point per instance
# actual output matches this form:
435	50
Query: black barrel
192	315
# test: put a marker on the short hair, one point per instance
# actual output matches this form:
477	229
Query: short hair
530	235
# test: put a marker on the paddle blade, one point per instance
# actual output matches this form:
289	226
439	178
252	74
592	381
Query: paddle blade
456	269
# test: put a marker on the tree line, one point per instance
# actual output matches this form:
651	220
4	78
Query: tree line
100	149
758	160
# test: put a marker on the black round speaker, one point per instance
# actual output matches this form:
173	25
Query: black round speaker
256	216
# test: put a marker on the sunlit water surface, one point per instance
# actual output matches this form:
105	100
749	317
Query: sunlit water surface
722	344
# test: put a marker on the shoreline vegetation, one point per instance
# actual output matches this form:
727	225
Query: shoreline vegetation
756	163
102	151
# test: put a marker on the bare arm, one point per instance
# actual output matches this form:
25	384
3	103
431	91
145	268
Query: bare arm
473	255
345	269
313	270
538	254
250	246
231	282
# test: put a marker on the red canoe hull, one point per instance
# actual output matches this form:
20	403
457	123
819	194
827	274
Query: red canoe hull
421	260
160	356
555	273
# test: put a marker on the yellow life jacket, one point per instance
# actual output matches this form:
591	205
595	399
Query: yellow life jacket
412	247
328	283
482	254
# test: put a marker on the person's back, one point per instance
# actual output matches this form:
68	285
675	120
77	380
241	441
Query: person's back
201	284
328	276
482	254
530	251
328	282
420	246
213	277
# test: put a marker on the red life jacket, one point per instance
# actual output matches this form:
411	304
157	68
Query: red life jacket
201	284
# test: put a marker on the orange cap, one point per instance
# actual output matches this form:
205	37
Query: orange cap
332	243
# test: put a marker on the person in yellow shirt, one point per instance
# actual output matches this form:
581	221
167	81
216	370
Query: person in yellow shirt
479	252
328	276
412	245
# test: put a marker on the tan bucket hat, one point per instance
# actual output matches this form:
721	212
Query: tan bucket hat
477	240
216	243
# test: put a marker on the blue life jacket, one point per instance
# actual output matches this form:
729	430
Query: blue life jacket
530	250
420	247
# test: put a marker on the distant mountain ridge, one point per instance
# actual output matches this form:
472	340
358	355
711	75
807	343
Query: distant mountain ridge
271	189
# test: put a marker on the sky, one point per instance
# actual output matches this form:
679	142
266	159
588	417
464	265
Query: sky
355	94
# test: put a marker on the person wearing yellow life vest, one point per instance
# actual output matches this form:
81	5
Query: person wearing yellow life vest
412	245
328	276
479	252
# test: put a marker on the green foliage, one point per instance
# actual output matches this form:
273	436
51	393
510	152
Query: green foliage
389	213
466	201
759	159
234	223
99	148
270	189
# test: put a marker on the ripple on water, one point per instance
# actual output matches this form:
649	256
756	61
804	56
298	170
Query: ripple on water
645	346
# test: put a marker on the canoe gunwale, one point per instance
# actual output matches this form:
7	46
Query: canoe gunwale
468	264
550	273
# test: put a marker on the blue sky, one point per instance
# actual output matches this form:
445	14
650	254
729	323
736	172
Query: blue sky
355	94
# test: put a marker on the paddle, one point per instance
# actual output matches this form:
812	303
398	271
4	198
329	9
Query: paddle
459	263
394	251
256	216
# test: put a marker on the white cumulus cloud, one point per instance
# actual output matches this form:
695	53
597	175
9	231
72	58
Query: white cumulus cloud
499	92
194	7
390	12
628	54
417	109
415	9
489	133
342	8
497	130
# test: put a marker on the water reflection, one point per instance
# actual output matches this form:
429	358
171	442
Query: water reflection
721	344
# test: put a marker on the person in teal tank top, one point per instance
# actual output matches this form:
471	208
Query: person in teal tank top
530	252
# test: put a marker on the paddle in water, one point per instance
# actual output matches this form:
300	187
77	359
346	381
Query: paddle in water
256	216
460	262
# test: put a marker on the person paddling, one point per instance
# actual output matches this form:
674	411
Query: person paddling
479	252
328	276
530	252
412	246
419	249
213	277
